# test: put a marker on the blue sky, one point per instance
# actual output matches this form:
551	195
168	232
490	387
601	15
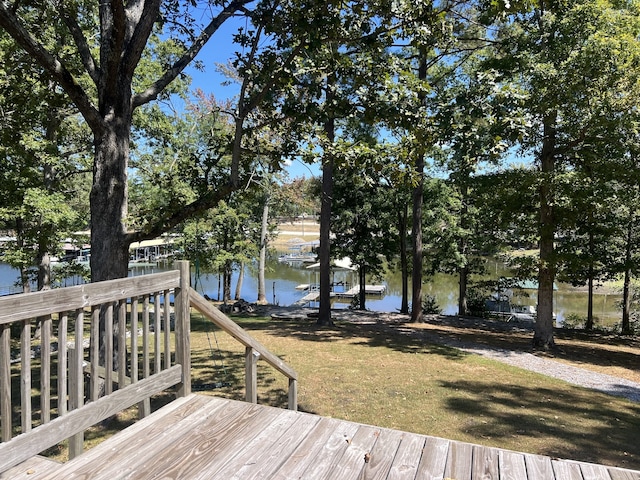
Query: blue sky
220	49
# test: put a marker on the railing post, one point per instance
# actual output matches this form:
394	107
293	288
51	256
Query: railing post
251	374
182	316
293	394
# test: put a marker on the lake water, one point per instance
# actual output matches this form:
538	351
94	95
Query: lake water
282	279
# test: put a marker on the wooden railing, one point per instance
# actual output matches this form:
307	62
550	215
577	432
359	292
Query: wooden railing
142	352
253	351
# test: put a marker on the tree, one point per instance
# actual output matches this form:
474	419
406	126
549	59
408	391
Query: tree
363	218
478	118
43	146
557	50
109	66
220	241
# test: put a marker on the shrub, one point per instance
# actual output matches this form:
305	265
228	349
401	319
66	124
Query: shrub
476	302
429	305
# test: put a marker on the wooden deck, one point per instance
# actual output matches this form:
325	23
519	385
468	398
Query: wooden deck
203	437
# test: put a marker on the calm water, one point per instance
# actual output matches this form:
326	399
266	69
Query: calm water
281	280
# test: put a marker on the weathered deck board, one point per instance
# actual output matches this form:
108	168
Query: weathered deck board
434	459
593	472
382	456
32	469
407	460
459	460
201	437
354	458
566	470
485	463
621	474
538	467
209	444
329	453
512	465
303	455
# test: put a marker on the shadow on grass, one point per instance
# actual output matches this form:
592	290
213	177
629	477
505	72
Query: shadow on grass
602	434
371	334
595	348
221	373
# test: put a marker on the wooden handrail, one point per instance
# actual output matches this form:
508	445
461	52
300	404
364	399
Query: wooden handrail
136	377
101	306
46	302
252	345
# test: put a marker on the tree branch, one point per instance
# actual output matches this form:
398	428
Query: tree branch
81	43
112	28
143	18
154	90
209	200
54	67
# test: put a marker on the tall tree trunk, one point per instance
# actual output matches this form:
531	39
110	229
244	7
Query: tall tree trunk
416	230
108	204
226	283
238	294
590	276
109	244
626	290
362	275
324	251
24	271
463	272
43	262
43	259
543	332
590	321
262	291
404	265
462	290
416	272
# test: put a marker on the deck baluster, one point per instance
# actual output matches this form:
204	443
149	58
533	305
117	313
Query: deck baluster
122	343
25	376
5	381
157	331
167	329
94	353
45	369
108	349
62	363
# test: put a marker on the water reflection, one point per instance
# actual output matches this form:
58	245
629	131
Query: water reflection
282	279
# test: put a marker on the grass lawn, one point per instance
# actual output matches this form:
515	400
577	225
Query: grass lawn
374	374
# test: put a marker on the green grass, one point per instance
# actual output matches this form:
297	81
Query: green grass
373	374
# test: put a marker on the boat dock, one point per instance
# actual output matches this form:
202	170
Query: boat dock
314	292
368	289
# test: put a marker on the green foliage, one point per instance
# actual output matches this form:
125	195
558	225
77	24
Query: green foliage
65	270
297	197
430	305
576	321
220	240
363	215
476	301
